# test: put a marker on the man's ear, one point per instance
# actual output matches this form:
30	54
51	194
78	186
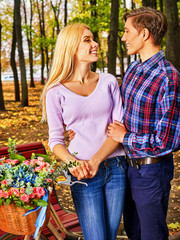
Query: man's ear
145	33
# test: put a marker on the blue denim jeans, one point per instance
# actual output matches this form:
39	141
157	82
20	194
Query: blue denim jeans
99	206
146	201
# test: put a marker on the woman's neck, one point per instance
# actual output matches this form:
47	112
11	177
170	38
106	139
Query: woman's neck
81	73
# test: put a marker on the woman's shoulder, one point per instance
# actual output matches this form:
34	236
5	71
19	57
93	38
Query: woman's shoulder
53	91
108	78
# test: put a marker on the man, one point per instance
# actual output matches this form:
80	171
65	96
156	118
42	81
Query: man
151	130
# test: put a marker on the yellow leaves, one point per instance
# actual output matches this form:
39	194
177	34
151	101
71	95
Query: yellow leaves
174	226
22	123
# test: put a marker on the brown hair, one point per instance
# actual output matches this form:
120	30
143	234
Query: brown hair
152	19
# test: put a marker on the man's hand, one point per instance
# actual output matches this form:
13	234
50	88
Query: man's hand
71	134
116	131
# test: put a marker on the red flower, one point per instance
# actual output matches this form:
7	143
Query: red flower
25	198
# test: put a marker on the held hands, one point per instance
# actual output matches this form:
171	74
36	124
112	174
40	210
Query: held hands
116	131
85	169
81	171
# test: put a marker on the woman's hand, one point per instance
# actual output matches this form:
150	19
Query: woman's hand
117	131
81	171
93	167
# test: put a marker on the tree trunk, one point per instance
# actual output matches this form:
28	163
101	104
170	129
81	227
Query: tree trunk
95	33
24	89
161	5
41	35
13	64
112	38
65	12
121	58
173	34
2	106
149	3
29	41
56	10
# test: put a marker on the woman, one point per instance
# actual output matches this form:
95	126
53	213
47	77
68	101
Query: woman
87	102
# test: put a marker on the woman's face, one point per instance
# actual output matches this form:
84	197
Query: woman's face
87	49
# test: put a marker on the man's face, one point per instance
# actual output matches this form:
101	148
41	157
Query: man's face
132	38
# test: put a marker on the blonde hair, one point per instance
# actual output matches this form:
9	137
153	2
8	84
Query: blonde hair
63	61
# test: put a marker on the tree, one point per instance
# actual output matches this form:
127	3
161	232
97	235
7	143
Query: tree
56	11
13	63
112	38
17	15
29	40
95	32
149	3
2	106
65	12
173	34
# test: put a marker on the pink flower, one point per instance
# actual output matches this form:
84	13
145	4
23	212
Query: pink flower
15	191
38	169
32	195
40	158
25	198
14	162
33	162
10	192
40	163
34	189
22	190
1	194
5	182
8	161
5	194
49	180
26	162
40	192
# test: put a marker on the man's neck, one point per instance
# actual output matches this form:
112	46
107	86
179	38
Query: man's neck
148	52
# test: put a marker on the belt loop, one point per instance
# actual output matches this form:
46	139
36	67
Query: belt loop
118	162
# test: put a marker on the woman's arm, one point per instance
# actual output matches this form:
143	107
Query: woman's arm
80	171
108	147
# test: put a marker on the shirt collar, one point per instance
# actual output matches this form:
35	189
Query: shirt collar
146	65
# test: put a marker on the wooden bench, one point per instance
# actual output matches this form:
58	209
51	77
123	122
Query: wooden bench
62	225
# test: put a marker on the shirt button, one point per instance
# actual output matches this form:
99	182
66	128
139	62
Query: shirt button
106	163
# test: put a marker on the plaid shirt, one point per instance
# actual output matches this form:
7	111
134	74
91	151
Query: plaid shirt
151	98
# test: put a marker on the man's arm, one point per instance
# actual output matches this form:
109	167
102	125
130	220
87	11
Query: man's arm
165	138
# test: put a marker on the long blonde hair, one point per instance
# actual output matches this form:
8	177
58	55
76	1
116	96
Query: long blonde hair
63	61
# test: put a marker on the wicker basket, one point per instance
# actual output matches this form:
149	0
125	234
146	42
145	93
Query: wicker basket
13	221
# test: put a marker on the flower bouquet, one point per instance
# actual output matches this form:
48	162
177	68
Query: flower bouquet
24	191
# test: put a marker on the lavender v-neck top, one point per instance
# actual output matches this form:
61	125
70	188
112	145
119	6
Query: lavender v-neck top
88	116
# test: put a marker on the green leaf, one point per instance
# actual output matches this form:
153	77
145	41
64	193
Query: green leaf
8	201
1	201
28	207
18	203
41	203
19	157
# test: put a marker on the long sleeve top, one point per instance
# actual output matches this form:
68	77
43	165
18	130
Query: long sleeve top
151	98
88	116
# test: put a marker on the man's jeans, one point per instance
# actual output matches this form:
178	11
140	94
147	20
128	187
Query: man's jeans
146	201
99	205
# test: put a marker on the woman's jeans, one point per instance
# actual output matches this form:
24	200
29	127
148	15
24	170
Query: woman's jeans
100	204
